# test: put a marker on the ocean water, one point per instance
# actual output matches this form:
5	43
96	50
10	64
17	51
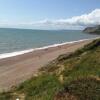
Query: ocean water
12	40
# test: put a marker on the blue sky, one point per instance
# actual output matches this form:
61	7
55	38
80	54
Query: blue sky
30	13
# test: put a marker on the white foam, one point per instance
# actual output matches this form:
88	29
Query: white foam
12	54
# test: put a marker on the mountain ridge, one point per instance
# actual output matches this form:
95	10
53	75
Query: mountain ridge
92	30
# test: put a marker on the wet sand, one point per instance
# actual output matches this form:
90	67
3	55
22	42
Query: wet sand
14	70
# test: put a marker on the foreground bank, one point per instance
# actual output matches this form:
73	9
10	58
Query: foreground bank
72	76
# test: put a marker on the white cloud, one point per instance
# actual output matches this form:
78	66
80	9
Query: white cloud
92	18
75	22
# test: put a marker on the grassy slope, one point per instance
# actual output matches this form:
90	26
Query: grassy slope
70	77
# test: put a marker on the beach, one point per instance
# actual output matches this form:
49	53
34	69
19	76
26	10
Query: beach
16	69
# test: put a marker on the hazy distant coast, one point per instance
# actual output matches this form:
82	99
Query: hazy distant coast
92	30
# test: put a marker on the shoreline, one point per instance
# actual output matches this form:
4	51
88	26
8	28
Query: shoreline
14	70
17	53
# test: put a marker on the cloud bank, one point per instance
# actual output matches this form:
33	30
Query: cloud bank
76	22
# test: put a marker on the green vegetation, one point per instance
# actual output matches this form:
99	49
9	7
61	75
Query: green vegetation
41	88
74	76
81	89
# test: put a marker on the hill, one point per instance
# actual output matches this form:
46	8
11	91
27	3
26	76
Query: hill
74	76
92	30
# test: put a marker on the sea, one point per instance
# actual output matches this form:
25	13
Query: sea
19	41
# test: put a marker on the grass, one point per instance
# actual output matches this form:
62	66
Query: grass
81	89
42	87
37	88
74	76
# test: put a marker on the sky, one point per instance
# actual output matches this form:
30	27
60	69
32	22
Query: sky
49	14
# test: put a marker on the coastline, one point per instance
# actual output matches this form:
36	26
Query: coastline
18	68
17	53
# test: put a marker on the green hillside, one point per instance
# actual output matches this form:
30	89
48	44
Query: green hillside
74	76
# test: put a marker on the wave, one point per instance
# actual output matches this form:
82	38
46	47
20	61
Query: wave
12	54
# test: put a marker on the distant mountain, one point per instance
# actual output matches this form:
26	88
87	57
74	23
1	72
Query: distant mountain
92	30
